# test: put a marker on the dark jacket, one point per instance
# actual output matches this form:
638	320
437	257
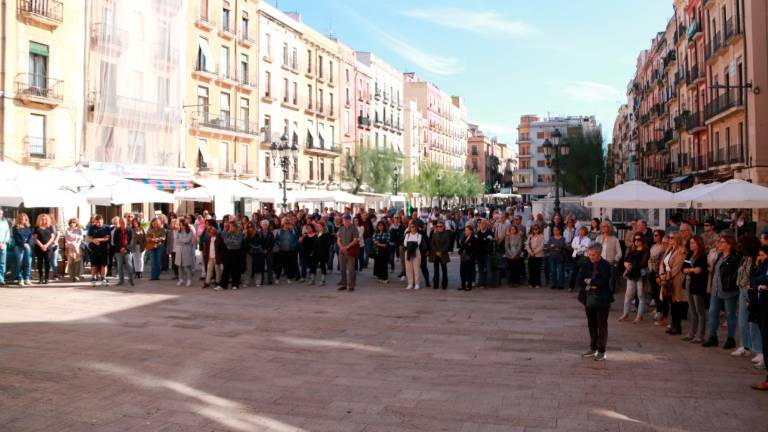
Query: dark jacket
729	270
115	241
601	281
485	242
21	236
322	246
307	247
698	282
218	246
440	242
639	261
468	246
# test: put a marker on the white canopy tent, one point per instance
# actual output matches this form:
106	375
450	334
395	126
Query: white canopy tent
635	194
732	194
126	192
695	191
199	194
34	194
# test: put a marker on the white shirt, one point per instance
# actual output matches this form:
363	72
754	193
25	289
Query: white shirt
580	245
212	248
412	238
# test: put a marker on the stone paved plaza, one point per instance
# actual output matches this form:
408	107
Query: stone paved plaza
295	358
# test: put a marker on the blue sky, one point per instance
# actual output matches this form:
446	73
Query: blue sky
506	58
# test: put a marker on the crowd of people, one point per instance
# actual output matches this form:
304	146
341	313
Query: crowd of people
675	273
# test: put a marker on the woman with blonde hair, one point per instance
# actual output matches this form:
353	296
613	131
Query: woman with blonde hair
44	238
73	240
671	279
22	242
155	244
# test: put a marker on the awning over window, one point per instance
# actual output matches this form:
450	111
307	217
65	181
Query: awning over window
167	185
312	133
39	49
679	179
202	145
324	138
205	49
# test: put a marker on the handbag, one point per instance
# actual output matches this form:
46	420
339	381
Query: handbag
354	250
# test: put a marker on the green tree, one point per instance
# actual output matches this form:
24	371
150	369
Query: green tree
585	162
372	167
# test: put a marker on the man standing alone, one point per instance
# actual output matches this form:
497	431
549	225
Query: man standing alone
349	247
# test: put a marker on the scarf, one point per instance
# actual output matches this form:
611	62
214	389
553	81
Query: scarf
123	239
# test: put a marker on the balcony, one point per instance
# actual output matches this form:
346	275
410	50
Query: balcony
46	13
223	122
694	122
729	100
694	75
364	121
38	149
205	22
714	45
733	30
246	83
377	94
226	31
694	31
245	39
225	77
319	150
141	111
201	70
523	177
107	36
31	88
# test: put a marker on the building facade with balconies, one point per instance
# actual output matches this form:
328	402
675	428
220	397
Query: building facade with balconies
222	92
445	139
698	128
41	112
387	103
534	177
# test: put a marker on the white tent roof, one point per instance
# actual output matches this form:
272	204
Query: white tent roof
226	187
732	194
346	197
126	192
198	194
695	191
634	194
33	194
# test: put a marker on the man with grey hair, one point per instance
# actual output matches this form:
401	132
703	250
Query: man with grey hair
596	295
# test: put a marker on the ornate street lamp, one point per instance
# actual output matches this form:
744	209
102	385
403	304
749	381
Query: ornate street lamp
439	190
395	180
555	151
283	154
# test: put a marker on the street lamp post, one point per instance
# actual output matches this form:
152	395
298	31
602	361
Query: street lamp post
555	151
439	190
395	180
285	153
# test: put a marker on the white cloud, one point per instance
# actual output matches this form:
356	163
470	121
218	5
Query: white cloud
436	64
589	91
484	22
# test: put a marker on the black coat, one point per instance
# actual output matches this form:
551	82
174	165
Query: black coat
601	281
698	284
322	246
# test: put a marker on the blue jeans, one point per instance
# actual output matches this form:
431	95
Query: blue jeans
3	256
556	273
715	305
334	251
482	270
744	330
156	258
124	265
55	262
23	262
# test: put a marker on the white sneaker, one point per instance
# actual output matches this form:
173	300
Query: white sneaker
416	287
760	366
189	282
758	358
217	288
180	282
402	278
104	282
234	287
409	287
94	282
741	352
277	281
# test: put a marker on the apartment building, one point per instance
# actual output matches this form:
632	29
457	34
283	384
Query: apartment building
387	103
486	157
41	111
445	139
694	108
535	178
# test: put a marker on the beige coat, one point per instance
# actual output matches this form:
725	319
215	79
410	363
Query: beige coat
675	274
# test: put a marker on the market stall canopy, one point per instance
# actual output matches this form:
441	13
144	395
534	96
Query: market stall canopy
695	191
732	194
229	188
125	192
33	194
635	194
198	194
